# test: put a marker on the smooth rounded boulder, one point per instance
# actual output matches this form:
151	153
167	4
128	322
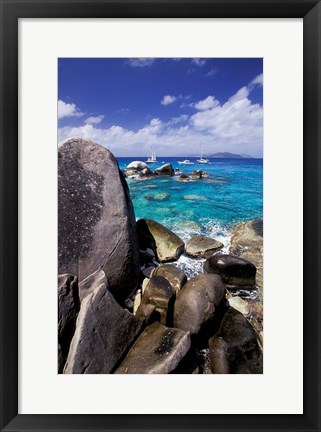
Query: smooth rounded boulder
166	245
137	165
96	228
202	246
197	302
175	276
235	271
235	349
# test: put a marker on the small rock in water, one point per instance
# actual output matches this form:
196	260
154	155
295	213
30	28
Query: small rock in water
165	170
184	178
158	350
157	197
234	270
202	246
161	197
194	197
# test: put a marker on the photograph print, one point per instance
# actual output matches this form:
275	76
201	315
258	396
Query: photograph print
160	215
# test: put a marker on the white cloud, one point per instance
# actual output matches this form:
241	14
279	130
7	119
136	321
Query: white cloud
180	119
141	61
208	103
199	62
67	110
258	80
168	99
94	119
211	72
235	126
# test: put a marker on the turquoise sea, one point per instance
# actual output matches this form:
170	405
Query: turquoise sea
232	193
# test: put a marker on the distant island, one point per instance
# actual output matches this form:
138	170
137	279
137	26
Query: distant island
227	155
219	155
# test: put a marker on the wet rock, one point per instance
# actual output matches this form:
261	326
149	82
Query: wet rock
159	293
158	350
161	197
184	178
157	197
97	226
104	333
68	308
166	245
198	174
146	173
202	246
240	305
88	285
165	170
197	302
235	349
247	243
175	276
235	271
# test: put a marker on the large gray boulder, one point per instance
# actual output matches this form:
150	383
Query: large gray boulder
175	276
158	350
235	271
68	308
96	226
202	246
197	302
235	349
166	244
104	333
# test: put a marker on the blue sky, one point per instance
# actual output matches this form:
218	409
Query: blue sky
176	105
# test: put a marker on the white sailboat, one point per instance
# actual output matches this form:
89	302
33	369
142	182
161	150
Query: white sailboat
202	160
152	156
185	162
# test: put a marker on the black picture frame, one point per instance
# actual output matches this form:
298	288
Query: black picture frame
11	11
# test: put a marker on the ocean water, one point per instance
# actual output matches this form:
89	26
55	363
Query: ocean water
232	193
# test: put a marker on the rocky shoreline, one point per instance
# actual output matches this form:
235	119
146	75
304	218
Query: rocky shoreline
123	305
